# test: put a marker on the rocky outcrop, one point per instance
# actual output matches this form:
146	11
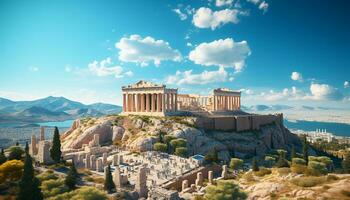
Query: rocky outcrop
140	133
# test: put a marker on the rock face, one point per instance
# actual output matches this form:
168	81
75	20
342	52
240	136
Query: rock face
140	133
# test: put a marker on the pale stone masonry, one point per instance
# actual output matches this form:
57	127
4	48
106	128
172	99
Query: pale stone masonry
146	98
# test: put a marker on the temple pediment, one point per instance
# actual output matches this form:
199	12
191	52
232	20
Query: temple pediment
144	84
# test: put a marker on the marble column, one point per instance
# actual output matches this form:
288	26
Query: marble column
159	102
131	102
175	102
168	102
153	102
163	103
239	102
142	102
124	102
172	102
147	102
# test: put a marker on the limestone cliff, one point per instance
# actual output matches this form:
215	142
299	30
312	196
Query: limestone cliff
139	133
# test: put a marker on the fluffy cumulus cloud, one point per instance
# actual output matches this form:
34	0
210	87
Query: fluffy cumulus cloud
296	76
105	68
325	92
346	84
206	18
222	53
223	2
145	50
262	5
189	78
181	15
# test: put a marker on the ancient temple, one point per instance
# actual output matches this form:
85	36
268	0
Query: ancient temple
146	98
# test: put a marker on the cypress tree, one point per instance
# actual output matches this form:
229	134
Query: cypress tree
26	148
2	157
71	178
305	150
29	185
55	151
293	153
255	166
109	185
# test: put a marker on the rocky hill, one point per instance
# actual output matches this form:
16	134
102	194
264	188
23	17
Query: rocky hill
139	133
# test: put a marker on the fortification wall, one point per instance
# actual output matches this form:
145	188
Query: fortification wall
238	123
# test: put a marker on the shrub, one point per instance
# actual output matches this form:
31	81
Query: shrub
262	172
224	190
322	159
282	162
178	143
16	153
298	161
11	170
248	177
52	188
160	147
181	151
283	171
308	181
48	175
236	163
269	161
315	168
299	169
212	157
83	193
168	138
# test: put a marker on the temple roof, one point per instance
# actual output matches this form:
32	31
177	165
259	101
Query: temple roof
143	84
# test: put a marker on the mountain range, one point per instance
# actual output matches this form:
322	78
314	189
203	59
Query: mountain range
51	109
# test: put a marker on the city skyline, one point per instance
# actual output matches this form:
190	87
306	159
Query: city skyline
275	52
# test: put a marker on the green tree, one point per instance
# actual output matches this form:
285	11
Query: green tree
282	162
305	149
178	143
109	185
255	166
55	151
160	147
346	162
212	156
26	148
293	153
236	163
269	161
16	153
29	185
181	151
224	190
71	178
2	157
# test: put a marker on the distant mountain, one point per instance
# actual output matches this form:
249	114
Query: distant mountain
51	109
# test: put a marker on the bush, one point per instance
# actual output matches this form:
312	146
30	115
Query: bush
308	181
11	170
283	171
181	151
236	163
83	193
248	177
168	138
47	176
282	162
299	169
52	188
322	159
269	161
212	157
298	161
224	190
178	143
16	153
315	168
160	147
262	172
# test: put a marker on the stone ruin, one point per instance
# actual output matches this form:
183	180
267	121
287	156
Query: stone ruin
39	149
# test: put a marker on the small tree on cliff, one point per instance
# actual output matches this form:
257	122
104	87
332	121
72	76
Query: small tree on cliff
71	178
29	186
109	185
305	150
55	151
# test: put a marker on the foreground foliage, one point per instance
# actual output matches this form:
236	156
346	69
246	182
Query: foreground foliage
224	190
83	193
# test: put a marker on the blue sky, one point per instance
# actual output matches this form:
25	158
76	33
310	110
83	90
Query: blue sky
87	50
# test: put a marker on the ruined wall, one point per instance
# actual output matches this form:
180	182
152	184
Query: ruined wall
238	123
191	177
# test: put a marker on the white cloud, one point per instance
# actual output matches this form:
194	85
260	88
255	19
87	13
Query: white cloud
144	50
189	44
254	1
325	92
346	84
223	3
223	53
34	68
187	77
104	68
182	16
296	76
67	68
206	18
264	6
129	73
